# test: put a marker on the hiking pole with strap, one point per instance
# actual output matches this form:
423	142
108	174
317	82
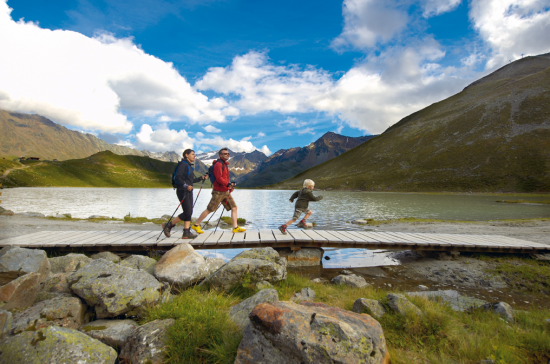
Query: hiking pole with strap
184	195
198	193
223	209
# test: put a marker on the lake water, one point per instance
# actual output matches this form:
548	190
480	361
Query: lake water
268	209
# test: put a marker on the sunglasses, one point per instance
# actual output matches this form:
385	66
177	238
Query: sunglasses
225	153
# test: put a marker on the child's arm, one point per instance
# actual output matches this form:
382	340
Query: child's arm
309	195
294	195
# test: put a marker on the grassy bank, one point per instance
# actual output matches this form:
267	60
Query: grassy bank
203	333
415	220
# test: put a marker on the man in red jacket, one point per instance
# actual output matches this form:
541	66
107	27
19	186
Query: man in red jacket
221	193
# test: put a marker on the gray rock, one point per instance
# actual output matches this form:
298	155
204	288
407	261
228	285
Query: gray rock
305	257
181	266
371	307
32	214
16	262
60	311
547	321
263	285
306	294
239	313
213	264
500	308
352	280
286	332
98	217
360	221
21	292
6	319
53	345
44	296
249	267
57	283
457	301
401	305
114	290
140	262
422	287
107	256
166	217
346	272
68	263
111	332
320	280
147	342
5	212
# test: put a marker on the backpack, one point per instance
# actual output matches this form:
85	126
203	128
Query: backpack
174	183
211	171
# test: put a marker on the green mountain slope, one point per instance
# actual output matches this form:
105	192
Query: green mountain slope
103	169
492	136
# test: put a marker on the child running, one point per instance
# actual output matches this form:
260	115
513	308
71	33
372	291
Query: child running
302	203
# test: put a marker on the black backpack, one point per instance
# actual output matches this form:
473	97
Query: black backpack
211	170
174	183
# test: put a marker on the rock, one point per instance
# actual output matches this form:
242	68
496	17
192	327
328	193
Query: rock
55	345
306	294
16	262
68	263
181	266
361	221
59	216
21	292
57	283
107	256
166	217
457	301
147	342
286	332
111	332
547	321
140	262
320	280
239	313
501	308
401	305
249	267
98	217
6	320
44	296
305	257
371	307
422	287
346	272
353	281
114	290
32	214
5	212
263	285
213	264
439	255
60	311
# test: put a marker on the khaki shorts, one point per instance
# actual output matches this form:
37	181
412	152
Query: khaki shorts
297	214
223	197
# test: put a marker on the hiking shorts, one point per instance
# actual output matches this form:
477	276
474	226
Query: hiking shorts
224	197
297	214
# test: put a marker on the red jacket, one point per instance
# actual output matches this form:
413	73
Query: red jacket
222	177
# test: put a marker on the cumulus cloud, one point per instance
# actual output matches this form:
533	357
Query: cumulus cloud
212	129
163	139
90	82
260	135
243	145
511	28
436	7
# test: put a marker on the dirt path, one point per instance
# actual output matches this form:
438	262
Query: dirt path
7	171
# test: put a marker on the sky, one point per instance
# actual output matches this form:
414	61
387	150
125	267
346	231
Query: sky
167	75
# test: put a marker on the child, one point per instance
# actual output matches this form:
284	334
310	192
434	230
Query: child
303	197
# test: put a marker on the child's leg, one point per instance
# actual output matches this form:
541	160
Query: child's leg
307	215
290	222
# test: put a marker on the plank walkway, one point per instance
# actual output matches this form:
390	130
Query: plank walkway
135	240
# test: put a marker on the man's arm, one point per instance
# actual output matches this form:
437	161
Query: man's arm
220	178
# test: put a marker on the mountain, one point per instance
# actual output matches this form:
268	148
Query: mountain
494	136
286	163
240	163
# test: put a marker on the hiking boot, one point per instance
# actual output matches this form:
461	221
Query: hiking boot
301	224
238	229
166	227
188	234
197	228
282	229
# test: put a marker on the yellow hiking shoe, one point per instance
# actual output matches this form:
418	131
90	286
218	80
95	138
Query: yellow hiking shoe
238	229
197	228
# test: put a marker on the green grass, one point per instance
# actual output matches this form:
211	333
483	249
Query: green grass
240	221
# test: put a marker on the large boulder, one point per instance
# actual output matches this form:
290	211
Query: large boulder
6	319
350	280
371	307
213	264
59	311
114	290
305	257
21	292
181	266
54	345
111	257
68	263
111	332
57	283
239	313
16	262
147	342
286	332
401	305
140	262
249	267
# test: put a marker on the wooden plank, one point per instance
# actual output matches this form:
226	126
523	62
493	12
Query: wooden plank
225	238
213	238
199	240
111	238
51	240
252	237
316	237
91	240
448	239
281	238
330	236
512	242
266	237
171	241
365	236
127	240
390	239
70	240
149	239
435	241
300	237
465	240
421	241
16	240
356	237
238	238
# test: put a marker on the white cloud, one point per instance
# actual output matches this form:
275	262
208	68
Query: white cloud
260	135
243	145
437	7
163	139
293	122
212	129
305	131
88	82
368	22
512	27
265	150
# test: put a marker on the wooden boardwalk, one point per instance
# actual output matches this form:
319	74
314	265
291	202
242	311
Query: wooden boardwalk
135	240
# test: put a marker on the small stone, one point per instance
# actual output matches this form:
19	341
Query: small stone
346	272
422	287
501	308
320	280
306	294
401	305
98	217
5	212
353	281
107	256
371	307
547	321
147	342
111	332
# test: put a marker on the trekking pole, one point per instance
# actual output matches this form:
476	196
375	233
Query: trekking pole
198	194
223	209
184	195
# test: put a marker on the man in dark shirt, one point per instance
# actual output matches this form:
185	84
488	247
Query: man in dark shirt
304	196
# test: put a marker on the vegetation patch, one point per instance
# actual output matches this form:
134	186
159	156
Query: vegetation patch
524	274
240	220
525	201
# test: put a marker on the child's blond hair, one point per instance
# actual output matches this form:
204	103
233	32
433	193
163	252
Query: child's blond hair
308	183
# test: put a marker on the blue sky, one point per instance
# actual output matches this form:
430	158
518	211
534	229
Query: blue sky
162	75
